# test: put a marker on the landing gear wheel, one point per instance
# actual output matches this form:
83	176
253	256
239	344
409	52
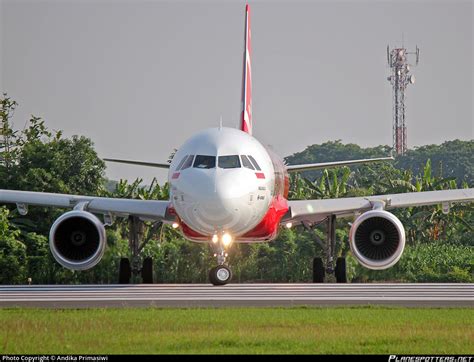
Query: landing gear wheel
125	272
147	271
340	271
220	275
318	270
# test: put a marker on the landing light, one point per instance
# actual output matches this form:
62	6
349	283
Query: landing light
289	225
215	239
175	225
226	239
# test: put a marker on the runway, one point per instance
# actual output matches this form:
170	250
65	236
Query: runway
237	295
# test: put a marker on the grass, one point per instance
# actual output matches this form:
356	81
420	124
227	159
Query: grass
238	330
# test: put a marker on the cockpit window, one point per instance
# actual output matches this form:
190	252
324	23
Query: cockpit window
205	161
255	163
246	163
229	161
187	163
181	162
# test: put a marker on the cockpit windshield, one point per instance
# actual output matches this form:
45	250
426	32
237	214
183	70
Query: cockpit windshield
204	161
181	162
257	167
229	161
185	163
246	163
226	162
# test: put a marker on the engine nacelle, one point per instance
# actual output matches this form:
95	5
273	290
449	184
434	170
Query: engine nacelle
77	240
377	239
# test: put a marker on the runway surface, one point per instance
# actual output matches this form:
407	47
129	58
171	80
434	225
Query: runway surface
202	295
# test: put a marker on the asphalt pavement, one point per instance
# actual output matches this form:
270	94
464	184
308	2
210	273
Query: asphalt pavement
237	295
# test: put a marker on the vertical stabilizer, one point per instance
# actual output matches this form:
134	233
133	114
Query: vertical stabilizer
246	116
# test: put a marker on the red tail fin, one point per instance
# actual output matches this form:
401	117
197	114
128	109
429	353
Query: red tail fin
246	117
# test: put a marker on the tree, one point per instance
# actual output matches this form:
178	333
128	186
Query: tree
451	159
45	161
37	159
333	151
12	252
40	160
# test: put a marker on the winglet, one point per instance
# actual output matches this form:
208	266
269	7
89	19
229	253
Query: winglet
246	116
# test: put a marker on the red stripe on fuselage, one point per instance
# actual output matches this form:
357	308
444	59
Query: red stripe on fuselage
192	234
267	229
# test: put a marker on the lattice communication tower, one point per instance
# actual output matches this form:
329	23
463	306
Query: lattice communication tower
400	78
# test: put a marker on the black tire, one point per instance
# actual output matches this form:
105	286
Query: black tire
211	276
318	270
340	271
220	275
125	272
147	271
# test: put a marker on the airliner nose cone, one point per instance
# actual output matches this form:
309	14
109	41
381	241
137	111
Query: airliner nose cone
223	203
216	200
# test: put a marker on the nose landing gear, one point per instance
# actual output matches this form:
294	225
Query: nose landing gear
221	274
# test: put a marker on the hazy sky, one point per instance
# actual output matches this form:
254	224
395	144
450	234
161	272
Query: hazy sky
140	77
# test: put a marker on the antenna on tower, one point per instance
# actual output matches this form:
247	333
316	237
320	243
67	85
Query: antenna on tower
400	78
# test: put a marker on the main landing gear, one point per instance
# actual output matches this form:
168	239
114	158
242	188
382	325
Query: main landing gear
137	266
339	270
221	274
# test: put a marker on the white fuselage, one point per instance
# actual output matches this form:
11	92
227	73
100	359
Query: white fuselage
216	186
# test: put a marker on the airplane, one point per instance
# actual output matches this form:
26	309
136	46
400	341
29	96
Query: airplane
226	188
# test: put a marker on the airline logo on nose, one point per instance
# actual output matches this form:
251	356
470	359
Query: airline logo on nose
175	175
260	174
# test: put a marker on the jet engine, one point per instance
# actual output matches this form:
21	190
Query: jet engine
77	240
377	239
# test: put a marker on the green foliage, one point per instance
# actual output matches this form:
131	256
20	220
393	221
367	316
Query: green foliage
12	253
38	257
333	151
43	161
37	159
435	262
286	259
452	159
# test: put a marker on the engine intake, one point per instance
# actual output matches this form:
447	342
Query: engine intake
77	240
377	239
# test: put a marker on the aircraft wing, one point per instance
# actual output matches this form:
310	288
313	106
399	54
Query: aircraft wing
321	165
145	209
139	163
317	210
